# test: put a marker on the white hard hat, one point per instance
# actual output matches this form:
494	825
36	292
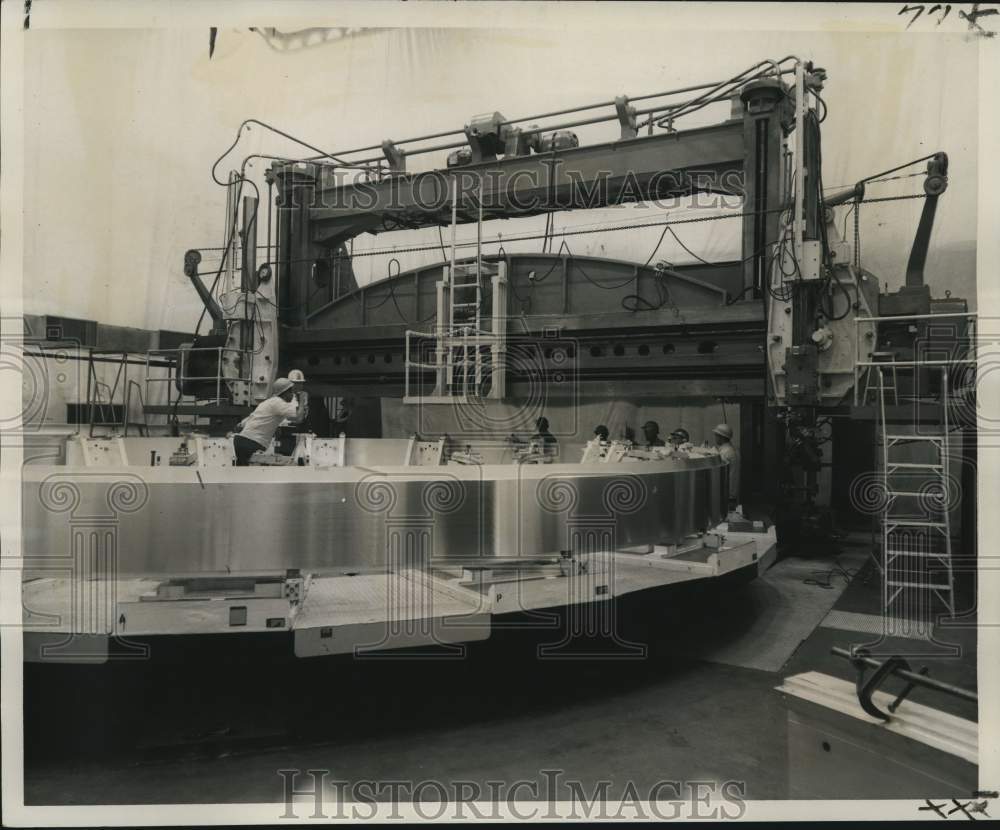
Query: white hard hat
296	376
281	385
724	430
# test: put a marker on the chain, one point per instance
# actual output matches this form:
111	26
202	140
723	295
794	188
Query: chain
857	235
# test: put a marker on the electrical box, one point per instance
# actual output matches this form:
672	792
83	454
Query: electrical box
812	259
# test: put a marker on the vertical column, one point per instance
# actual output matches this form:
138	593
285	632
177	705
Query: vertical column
296	192
761	173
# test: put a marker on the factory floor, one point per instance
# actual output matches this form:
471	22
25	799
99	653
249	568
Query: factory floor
699	705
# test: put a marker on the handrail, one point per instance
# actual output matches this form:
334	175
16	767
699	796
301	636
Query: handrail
894	317
612	116
907	364
175	358
861	366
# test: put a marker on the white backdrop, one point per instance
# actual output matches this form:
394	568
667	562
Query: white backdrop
122	126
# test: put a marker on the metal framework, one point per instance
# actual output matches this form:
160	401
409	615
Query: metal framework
915	469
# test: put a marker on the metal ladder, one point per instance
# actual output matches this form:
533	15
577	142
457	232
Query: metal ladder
467	348
916	546
465	356
888	358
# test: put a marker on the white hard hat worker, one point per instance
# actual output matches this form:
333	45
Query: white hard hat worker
723	441
296	376
281	386
258	428
724	431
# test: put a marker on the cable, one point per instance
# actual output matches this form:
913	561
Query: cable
818	98
686	248
713	95
857	234
562	246
824	579
814	121
657	246
249	121
847	215
222	265
636	302
444	256
739	296
580	232
594	282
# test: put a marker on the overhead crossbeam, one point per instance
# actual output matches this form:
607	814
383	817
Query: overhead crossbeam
660	166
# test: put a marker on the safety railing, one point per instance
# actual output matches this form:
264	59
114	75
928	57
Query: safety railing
452	351
109	404
177	378
863	367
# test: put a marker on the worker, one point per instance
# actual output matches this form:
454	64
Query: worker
680	440
298	380
602	433
724	442
542	434
258	428
723	434
651	432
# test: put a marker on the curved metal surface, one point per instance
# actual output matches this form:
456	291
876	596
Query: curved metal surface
557	284
177	520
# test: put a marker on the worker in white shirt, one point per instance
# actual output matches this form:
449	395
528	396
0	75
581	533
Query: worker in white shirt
258	428
298	382
724	444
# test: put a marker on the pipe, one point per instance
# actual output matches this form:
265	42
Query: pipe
911	677
847	194
512	121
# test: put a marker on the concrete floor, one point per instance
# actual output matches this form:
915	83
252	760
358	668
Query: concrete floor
639	724
220	733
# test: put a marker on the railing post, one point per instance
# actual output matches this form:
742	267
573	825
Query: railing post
406	365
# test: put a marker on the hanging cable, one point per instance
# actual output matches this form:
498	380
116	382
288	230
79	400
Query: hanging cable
659	242
673	233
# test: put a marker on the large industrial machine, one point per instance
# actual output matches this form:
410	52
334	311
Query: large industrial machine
470	519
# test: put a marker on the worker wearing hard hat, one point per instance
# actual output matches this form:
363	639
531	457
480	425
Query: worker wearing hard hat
723	434
651	433
680	440
258	428
298	381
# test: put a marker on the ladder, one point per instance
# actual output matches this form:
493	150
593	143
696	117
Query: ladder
915	521
882	384
464	357
468	348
